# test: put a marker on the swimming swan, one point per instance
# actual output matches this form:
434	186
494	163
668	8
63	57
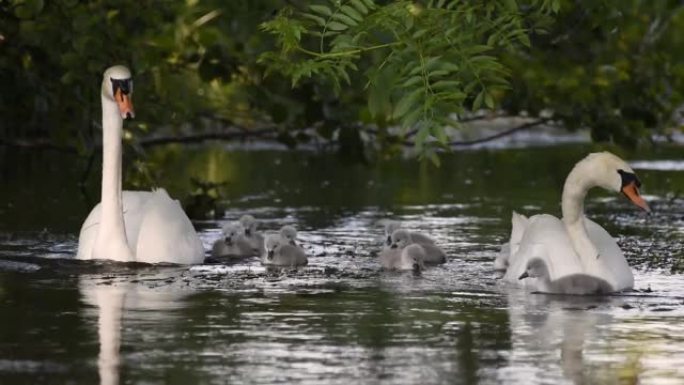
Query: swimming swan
128	226
573	255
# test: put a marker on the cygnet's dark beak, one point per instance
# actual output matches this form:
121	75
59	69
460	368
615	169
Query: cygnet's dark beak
293	243
229	241
269	255
389	240
416	266
248	232
523	275
394	246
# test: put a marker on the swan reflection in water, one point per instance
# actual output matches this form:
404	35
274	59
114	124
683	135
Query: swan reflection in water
556	338
113	299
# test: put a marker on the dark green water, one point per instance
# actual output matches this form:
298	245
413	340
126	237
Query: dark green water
340	320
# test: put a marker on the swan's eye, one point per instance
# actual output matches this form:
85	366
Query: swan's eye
629	177
125	85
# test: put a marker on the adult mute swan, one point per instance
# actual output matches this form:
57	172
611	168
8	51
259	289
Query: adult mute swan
128	226
573	255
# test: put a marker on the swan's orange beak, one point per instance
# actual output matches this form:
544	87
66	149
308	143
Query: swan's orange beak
125	104
631	191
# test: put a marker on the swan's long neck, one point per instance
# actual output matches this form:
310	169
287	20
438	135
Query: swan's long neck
577	185
112	243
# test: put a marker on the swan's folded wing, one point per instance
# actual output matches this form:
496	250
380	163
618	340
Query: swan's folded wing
166	233
546	238
612	265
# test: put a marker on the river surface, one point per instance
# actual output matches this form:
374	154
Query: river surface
339	320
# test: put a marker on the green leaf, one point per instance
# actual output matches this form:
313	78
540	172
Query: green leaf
335	26
406	103
446	85
359	6
345	19
351	12
524	39
489	102
319	20
321	10
369	4
412	81
477	103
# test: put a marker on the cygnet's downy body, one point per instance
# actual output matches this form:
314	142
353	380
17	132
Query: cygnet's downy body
288	235
402	254
419	238
411	257
280	252
233	243
433	253
255	238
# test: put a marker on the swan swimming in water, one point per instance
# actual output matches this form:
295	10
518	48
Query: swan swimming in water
573	255
132	226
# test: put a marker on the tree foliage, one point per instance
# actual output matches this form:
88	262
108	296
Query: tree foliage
421	66
403	71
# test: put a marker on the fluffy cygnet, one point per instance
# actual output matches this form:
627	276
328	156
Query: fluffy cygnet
433	254
392	226
233	243
279	252
255	238
409	258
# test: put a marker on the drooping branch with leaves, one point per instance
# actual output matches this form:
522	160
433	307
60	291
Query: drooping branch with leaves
421	66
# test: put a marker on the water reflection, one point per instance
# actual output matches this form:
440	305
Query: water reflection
115	297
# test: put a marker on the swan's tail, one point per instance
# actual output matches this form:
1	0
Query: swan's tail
519	224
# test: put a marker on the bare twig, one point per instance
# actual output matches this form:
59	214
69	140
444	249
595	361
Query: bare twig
501	134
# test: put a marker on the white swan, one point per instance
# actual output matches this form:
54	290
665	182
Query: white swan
127	226
574	254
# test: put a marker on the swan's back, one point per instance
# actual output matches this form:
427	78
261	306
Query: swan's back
166	233
546	238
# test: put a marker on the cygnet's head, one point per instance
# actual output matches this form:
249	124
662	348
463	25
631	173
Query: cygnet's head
289	234
413	258
390	227
613	174
400	239
249	223
536	268
231	231
117	86
271	243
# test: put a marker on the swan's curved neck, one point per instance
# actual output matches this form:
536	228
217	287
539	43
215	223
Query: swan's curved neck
577	184
112	243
